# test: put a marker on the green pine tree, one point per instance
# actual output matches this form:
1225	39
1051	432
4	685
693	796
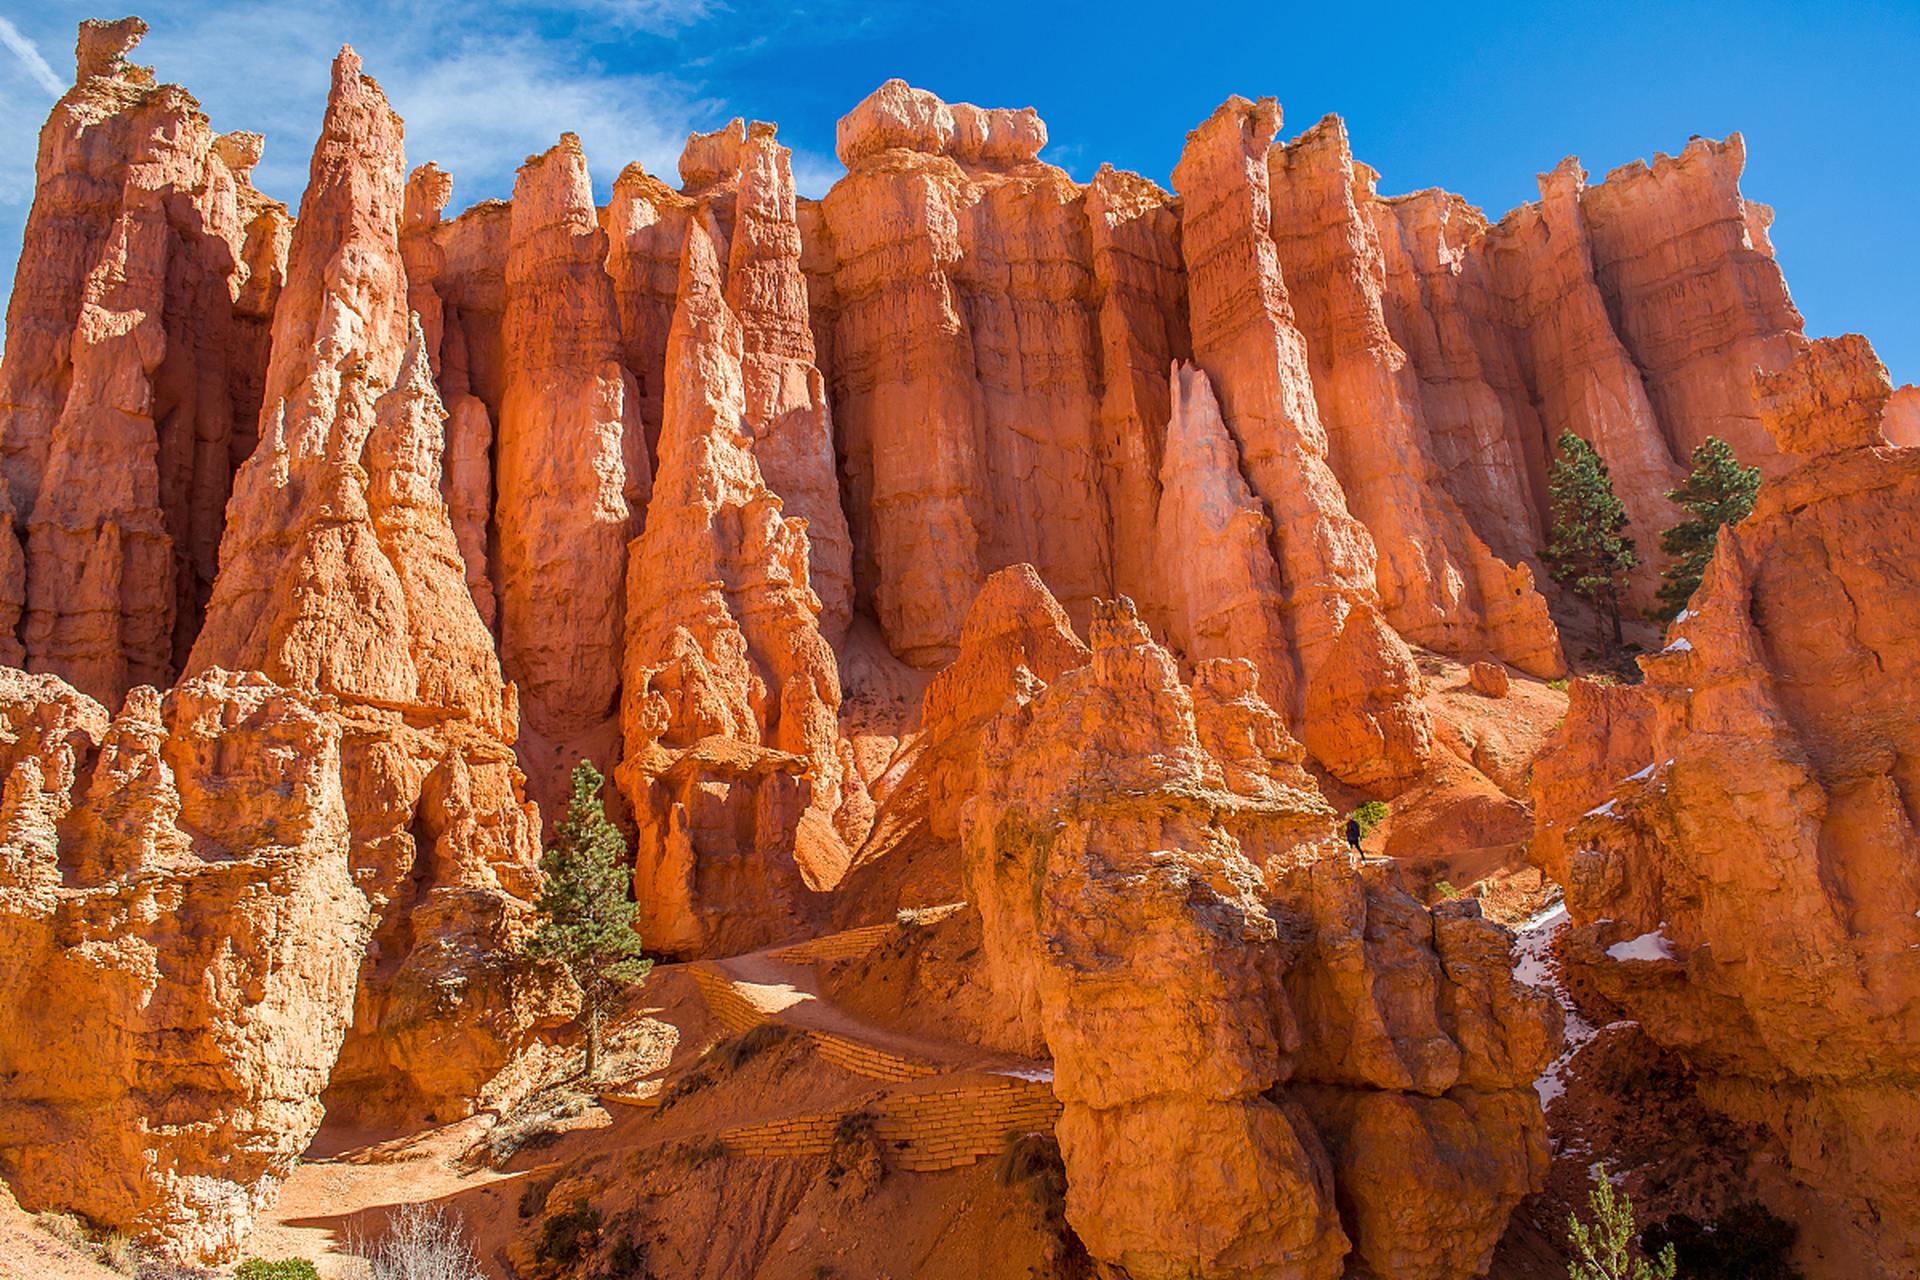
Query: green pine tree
1720	491
1589	551
584	914
1601	1250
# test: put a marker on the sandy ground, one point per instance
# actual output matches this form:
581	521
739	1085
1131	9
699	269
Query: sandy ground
28	1253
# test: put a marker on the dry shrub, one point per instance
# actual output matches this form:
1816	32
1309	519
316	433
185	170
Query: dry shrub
120	1254
421	1242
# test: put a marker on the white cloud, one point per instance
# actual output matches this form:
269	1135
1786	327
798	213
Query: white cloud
813	174
482	84
29	53
661	17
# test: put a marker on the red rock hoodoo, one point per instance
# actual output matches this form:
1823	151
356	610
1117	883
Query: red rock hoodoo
1751	894
329	544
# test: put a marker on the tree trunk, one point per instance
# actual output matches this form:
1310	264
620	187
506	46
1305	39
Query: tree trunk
593	1042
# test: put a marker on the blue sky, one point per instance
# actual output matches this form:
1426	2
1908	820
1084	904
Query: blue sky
1477	100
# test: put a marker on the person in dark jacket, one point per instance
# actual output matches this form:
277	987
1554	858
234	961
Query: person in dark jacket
1353	836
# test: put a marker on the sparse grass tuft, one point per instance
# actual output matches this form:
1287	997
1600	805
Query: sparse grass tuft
120	1254
751	1043
64	1227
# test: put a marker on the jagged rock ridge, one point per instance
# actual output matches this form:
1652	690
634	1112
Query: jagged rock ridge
709	485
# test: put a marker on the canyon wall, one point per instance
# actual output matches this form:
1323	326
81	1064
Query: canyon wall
373	522
957	361
1751	895
1340	1075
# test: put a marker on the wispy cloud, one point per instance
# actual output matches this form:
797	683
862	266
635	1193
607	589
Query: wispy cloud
29	53
660	17
482	84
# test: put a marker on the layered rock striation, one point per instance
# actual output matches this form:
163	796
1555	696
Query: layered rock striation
132	359
1332	1069
374	522
1750	897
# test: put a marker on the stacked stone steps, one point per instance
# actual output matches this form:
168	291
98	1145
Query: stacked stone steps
922	1132
850	945
736	1014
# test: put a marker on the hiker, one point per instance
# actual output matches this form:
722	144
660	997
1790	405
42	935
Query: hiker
1353	835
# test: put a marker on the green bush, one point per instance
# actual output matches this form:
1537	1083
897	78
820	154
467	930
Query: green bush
285	1269
1371	814
569	1235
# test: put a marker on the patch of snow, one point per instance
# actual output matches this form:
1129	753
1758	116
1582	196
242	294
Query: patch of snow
1040	1075
1684	615
1648	946
1534	967
1679	644
1603	811
1643	774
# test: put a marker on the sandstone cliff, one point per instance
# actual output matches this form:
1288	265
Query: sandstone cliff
128	357
372	523
1750	897
183	933
572	472
346	581
1332	1068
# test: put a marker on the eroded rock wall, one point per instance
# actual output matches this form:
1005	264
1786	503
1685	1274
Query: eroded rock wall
131	348
1752	897
183	936
1338	1074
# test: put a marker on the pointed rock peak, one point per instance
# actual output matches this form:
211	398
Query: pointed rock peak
1116	625
415	379
429	187
700	280
1015	600
1329	133
1567	179
103	47
1829	399
713	157
346	74
1193	393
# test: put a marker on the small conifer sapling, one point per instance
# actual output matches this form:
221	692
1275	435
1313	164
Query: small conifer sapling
584	914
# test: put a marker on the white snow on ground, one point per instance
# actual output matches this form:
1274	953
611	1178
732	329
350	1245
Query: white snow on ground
1680	644
1043	1075
1644	773
1534	967
1648	946
1603	811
